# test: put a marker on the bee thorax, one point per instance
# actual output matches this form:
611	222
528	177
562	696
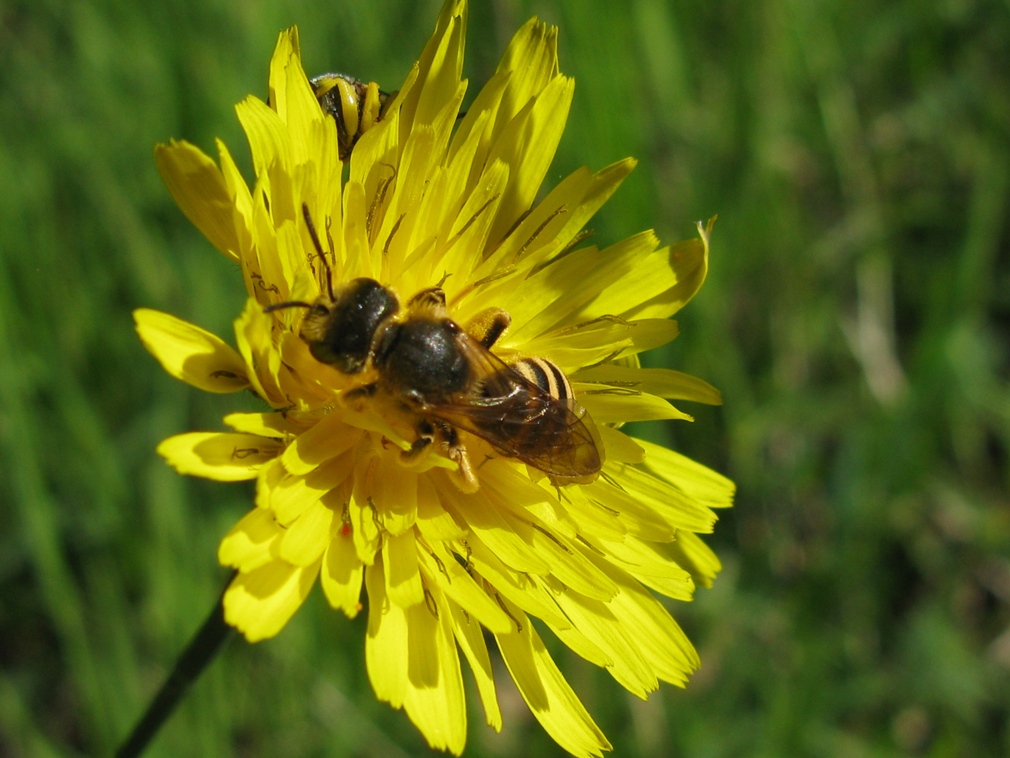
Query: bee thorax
424	358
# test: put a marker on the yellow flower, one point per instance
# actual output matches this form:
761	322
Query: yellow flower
450	539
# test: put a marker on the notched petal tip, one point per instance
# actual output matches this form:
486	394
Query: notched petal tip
189	353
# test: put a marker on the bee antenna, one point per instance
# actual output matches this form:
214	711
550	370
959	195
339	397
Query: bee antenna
319	249
289	304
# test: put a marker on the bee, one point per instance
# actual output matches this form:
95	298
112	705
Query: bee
354	105
448	380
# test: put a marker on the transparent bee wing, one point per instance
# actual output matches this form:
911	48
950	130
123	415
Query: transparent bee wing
521	420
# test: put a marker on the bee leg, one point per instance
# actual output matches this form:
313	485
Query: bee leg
488	325
433	297
465	479
425	436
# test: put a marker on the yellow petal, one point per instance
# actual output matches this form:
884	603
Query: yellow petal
238	190
602	339
394	494
471	229
265	275
270	143
361	512
270	476
190	353
341	574
470	638
559	291
438	65
433	521
294	100
658	638
617	405
356	242
668	501
403	577
698	481
467	156
550	698
434	697
533	238
657	381
198	187
660	285
444	570
386	641
532	60
306	539
489	524
264	424
527	146
327	439
602	185
570	566
438	82
295	493
563	557
251	543
616	638
655	565
223	456
553	223
519	588
412	181
525	498
377	149
261	602
581	645
285	50
696	557
593	518
637	517
253	337
620	447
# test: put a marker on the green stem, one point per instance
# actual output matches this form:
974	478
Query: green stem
201	650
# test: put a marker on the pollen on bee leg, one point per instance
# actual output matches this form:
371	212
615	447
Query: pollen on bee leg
465	478
489	325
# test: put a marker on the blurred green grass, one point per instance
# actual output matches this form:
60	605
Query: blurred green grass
856	319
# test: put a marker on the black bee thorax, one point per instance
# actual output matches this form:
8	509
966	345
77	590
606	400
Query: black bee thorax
424	357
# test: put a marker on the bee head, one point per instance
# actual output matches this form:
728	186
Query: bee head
341	331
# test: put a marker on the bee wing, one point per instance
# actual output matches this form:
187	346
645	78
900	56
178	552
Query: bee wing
522	420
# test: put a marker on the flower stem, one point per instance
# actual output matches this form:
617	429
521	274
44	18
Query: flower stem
202	649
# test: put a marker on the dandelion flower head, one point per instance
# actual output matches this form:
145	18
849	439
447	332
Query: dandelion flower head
455	542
